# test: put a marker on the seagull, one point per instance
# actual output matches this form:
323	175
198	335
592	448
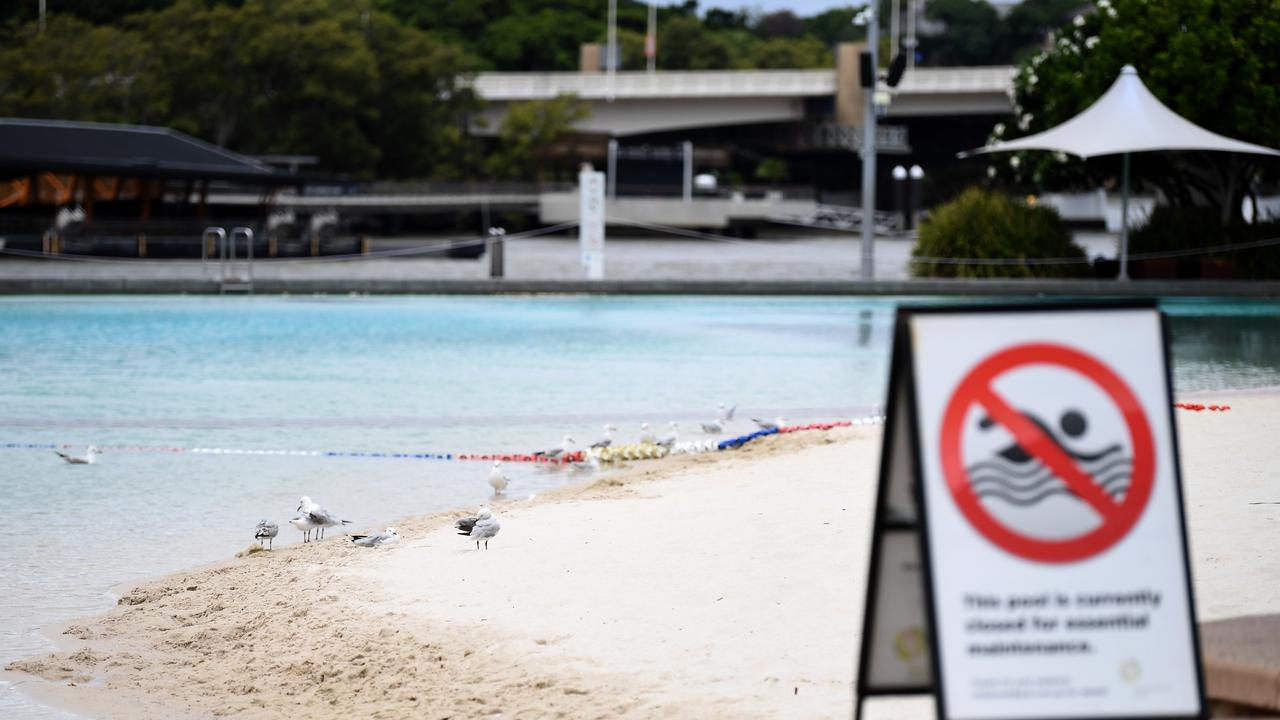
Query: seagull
556	452
386	537
86	460
305	525
646	435
607	440
481	527
715	427
266	530
773	424
726	413
497	480
670	438
319	516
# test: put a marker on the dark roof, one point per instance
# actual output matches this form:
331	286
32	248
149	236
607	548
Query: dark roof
128	150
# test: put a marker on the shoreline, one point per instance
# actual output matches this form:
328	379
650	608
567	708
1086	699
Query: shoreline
679	588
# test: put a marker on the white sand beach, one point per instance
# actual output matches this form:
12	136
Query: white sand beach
725	585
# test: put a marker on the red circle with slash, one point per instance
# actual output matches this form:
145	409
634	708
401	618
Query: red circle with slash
1118	517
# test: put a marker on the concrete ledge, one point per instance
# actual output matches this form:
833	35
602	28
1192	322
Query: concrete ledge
977	288
1242	661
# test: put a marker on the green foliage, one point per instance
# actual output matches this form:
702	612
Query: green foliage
1190	228
360	90
973	33
528	130
1212	63
984	225
772	170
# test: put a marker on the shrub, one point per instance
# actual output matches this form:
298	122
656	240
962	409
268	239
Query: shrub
985	225
1171	229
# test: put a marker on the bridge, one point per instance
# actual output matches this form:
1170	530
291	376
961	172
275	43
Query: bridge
638	103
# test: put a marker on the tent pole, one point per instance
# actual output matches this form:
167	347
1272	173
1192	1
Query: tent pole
1124	222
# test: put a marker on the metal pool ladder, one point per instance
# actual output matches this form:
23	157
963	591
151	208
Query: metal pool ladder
233	274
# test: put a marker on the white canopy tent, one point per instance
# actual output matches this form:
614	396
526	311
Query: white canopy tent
1126	119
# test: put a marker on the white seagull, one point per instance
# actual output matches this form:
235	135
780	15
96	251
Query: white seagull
773	424
266	530
305	526
482	526
319	516
715	427
670	438
386	537
607	440
726	413
565	446
497	480
646	435
88	458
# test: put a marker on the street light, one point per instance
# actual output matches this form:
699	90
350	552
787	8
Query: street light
900	194
913	201
869	16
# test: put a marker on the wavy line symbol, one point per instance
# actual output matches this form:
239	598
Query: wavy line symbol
1018	478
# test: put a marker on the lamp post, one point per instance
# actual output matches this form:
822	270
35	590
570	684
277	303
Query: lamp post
42	16
916	173
900	194
869	16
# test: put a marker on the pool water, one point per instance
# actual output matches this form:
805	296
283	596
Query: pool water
439	375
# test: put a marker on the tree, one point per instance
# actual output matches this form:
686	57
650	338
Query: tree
972	36
530	128
782	23
791	53
836	26
74	71
1212	63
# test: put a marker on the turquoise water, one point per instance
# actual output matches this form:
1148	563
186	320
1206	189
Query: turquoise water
412	375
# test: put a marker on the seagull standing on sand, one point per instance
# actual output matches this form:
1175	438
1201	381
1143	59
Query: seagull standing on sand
773	424
319	516
86	460
726	413
481	527
607	440
646	435
266	530
386	537
670	438
715	427
497	480
565	446
305	526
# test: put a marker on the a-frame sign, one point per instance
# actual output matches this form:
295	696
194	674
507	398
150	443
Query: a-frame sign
1028	554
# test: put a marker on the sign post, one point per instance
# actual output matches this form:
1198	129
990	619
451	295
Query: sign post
591	221
1049	531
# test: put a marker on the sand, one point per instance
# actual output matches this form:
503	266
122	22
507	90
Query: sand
713	586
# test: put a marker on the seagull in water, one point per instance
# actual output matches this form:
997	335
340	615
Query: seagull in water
386	537
670	438
646	435
726	413
607	440
497	480
305	526
86	460
482	526
556	452
319	516
266	530
773	424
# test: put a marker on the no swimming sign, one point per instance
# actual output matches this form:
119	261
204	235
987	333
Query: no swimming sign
1029	528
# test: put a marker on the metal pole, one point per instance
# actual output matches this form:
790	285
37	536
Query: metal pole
912	12
1124	222
688	171
611	52
869	150
895	21
612	169
42	2
651	40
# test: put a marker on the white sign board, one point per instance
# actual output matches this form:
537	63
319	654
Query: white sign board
1052	515
1050	527
591	222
